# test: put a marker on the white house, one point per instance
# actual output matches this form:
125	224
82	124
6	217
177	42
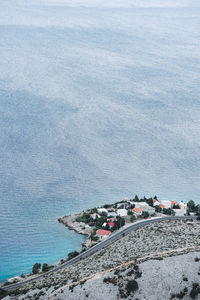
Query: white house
112	213
123	205
122	212
183	206
166	203
104	224
179	212
155	202
102	233
102	210
145	207
94	216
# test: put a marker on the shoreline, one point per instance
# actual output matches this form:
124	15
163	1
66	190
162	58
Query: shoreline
69	221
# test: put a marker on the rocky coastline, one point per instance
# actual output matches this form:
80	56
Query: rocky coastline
79	227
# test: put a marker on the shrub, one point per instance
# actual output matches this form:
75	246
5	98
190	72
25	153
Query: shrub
132	286
112	280
185	278
195	290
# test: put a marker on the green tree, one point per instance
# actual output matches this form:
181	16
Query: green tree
107	205
136	199
45	268
168	211
72	254
157	208
36	268
149	201
176	206
100	221
191	206
145	214
119	222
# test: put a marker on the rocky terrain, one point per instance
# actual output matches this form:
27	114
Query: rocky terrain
155	256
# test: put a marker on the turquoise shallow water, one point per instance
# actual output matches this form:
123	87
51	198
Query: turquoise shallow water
98	101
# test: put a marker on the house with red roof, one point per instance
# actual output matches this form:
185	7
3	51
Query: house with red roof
102	233
111	224
155	202
137	211
162	206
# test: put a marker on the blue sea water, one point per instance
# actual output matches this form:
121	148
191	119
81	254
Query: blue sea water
98	101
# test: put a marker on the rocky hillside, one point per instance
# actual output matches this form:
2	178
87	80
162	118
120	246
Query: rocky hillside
158	261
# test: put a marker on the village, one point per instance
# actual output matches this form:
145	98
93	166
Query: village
99	223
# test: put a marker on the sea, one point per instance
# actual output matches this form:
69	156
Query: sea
99	100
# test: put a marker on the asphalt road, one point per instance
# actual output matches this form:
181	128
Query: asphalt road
97	247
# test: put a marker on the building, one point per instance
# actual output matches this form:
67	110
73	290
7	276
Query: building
123	205
137	211
162	206
145	207
179	212
111	224
122	212
94	216
102	233
102	210
183	206
155	202
166	203
173	203
112	214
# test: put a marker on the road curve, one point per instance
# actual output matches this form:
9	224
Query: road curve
97	247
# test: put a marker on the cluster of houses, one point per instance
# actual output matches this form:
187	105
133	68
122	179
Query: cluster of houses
138	209
179	208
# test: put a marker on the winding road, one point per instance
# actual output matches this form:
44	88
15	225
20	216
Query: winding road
97	247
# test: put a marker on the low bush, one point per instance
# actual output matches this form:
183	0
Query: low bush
132	286
195	290
197	259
